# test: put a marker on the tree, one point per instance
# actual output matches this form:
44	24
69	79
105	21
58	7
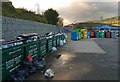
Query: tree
60	21
90	25
79	26
51	16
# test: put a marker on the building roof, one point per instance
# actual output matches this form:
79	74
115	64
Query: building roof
107	27
103	27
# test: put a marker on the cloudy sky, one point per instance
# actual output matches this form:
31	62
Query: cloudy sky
73	10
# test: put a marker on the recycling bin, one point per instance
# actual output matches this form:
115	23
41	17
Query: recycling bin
113	34
54	42
76	30
59	36
43	46
96	34
74	35
102	34
32	49
57	39
79	35
63	36
107	34
88	34
92	34
12	56
32	44
84	33
49	43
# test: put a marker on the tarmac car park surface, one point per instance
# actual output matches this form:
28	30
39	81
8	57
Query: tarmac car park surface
86	59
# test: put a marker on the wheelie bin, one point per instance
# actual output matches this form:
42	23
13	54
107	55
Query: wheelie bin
57	39
113	34
96	34
79	35
84	33
43	46
12	56
74	35
32	44
92	34
107	34
102	34
54	42
88	34
49	38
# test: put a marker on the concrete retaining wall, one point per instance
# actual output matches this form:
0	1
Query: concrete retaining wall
12	27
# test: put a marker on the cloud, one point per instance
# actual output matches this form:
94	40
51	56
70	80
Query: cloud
4	0
74	10
84	11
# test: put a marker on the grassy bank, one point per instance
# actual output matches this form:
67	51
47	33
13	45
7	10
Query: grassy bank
21	13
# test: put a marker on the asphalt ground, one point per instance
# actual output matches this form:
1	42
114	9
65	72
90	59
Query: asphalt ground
87	59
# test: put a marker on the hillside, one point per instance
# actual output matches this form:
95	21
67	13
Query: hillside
111	21
20	13
114	21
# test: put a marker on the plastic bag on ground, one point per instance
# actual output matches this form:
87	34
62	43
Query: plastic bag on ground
23	71
39	63
29	57
49	73
61	43
54	49
16	78
32	70
64	41
27	63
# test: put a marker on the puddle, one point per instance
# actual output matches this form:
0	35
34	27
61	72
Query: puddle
63	59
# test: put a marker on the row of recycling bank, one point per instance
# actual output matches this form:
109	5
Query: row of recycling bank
78	34
27	53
